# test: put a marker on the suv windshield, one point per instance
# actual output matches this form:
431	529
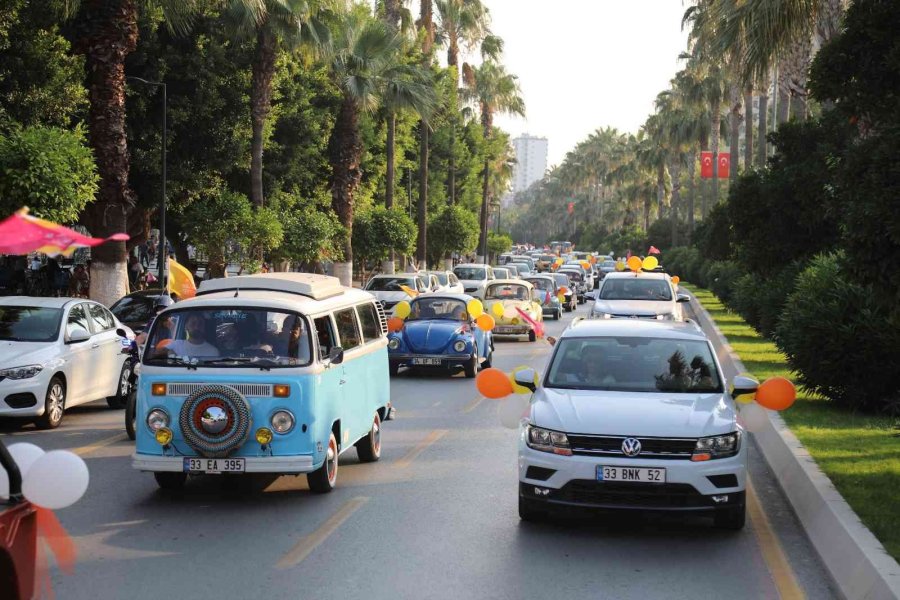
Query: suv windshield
391	284
634	364
29	323
633	288
437	308
506	291
470	273
229	337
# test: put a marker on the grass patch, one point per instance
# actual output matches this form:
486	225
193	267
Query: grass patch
859	452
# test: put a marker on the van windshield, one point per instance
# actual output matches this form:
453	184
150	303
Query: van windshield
229	337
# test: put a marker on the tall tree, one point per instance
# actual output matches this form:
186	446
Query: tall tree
426	26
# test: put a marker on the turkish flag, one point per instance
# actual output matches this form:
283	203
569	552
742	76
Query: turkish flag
571	207
724	164
706	165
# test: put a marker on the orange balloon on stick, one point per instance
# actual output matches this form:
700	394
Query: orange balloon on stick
395	324
634	263
493	383
776	393
676	280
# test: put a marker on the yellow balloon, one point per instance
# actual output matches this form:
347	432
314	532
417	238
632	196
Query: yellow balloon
620	266
519	389
650	263
402	309
561	298
497	309
475	308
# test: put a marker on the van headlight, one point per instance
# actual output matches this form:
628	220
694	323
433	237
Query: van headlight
157	419
545	440
393	344
25	372
720	446
459	346
282	421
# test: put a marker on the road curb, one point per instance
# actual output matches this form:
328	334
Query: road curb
855	559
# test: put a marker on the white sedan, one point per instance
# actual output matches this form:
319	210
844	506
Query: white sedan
448	282
56	353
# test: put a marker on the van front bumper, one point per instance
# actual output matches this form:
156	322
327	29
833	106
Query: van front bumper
252	464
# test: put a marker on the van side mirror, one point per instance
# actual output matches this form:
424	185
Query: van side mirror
551	340
336	355
683	298
526	378
742	385
79	335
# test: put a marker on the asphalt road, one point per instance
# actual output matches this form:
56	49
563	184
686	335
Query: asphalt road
435	518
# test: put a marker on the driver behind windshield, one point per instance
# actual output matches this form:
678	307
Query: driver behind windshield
195	343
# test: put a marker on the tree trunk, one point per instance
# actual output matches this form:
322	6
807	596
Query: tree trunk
734	130
762	140
690	200
704	188
660	189
748	128
107	33
345	150
647	202
782	93
263	71
427	23
716	125
392	13
422	206
797	75
485	192
451	168
674	173
390	150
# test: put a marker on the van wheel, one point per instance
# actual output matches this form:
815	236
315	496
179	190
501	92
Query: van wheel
732	518
323	479
54	405
369	448
532	336
471	365
122	387
170	481
130	415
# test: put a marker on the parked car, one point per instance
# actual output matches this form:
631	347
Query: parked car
474	278
570	302
137	308
514	295
440	333
448	282
633	415
547	291
56	353
387	288
641	296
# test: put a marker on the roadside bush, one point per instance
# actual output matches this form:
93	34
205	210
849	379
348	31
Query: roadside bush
839	340
760	301
721	276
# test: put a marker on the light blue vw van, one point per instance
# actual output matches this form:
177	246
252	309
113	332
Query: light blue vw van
273	373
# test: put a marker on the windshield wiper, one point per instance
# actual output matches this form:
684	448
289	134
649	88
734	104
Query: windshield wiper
226	359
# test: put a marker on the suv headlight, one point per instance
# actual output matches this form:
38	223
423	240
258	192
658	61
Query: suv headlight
25	372
720	446
546	440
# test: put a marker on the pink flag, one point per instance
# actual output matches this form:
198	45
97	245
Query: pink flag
538	327
628	255
21	233
653	250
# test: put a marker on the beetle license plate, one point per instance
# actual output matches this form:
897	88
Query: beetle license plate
635	474
213	465
426	361
502	330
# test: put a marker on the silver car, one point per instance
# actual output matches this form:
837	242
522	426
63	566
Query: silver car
638	296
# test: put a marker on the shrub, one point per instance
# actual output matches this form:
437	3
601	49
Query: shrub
839	340
721	276
761	301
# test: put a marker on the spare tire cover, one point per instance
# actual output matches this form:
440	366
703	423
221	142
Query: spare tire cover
215	420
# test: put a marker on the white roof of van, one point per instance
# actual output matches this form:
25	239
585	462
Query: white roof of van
317	287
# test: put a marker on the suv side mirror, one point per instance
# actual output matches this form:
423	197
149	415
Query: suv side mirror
336	355
742	385
682	298
526	378
79	335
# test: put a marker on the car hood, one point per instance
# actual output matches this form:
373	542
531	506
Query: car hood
637	414
19	354
430	336
633	307
389	296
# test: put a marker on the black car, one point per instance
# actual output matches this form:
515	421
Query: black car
136	309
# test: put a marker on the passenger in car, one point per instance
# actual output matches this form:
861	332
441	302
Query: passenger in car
292	342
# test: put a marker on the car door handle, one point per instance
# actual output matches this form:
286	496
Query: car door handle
95	345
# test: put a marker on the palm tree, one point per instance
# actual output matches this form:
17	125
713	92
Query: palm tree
271	24
494	91
366	61
106	32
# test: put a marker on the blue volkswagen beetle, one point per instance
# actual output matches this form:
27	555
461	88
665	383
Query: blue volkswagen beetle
440	333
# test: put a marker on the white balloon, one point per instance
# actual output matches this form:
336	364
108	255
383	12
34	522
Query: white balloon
754	416
56	480
25	454
512	409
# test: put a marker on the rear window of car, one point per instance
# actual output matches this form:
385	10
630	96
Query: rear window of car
391	284
470	273
134	308
633	288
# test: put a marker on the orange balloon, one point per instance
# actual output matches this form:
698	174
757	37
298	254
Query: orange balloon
395	324
634	263
563	290
776	393
676	280
485	322
493	383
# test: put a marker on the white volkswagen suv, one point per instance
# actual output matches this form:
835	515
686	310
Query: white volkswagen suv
633	414
638	296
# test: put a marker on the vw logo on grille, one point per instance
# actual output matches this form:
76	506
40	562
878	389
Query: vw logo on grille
631	446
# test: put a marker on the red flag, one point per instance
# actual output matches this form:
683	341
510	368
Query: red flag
706	165
571	207
724	164
22	233
653	250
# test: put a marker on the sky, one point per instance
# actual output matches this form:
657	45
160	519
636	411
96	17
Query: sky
586	64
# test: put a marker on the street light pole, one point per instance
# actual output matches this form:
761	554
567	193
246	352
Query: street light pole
162	254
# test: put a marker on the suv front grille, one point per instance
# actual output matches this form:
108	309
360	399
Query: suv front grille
668	495
611	445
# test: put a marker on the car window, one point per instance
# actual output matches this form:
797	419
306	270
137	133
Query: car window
453	279
100	318
442	278
348	330
392	284
470	273
371	328
325	335
77	319
134	308
507	291
29	323
428	307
